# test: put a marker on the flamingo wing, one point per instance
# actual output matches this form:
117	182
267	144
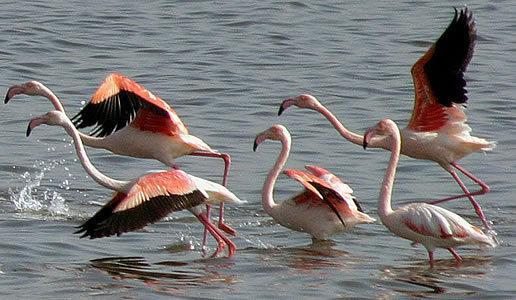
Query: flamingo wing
118	101
150	199
322	192
439	75
337	185
435	221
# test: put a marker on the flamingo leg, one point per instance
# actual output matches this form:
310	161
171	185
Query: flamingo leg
218	235
484	188
227	165
209	227
457	257
431	258
475	204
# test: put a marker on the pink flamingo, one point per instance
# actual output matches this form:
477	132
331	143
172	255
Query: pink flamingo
325	207
132	121
430	225
437	130
147	198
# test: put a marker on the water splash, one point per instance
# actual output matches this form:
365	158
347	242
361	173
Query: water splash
28	198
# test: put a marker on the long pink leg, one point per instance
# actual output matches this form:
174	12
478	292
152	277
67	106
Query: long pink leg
456	255
484	188
209	227
218	235
475	204
227	165
431	258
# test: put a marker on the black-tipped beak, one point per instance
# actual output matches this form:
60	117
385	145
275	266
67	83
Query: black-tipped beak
281	109
364	144
7	98
255	145
29	130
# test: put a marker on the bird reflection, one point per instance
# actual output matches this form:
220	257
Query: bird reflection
164	276
424	281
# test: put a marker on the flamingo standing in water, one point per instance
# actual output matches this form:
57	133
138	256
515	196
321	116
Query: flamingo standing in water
437	130
325	207
430	225
130	120
147	198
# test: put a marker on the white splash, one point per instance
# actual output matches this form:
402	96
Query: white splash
30	199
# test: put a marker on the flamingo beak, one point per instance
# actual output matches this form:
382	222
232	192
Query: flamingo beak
11	92
255	145
29	129
34	122
367	137
284	105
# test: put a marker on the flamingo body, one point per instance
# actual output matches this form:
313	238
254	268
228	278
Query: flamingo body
430	225
147	198
321	210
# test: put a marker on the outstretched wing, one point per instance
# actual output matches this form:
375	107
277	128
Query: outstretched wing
150	199
439	75
118	101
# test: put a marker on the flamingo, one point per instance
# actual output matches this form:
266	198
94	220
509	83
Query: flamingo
437	130
154	129
428	224
147	198
324	208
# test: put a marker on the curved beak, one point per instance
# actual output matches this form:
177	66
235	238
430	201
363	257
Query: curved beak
34	122
255	145
11	92
284	105
368	135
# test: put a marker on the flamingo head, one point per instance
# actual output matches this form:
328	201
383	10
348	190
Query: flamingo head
301	101
383	128
275	133
53	118
30	88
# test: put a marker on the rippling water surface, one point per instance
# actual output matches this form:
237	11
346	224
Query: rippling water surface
225	68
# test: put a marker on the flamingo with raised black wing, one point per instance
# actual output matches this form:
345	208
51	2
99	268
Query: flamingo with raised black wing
147	198
130	120
324	208
427	224
437	130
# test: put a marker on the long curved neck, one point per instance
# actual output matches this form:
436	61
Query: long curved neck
268	185
46	92
344	132
88	140
100	178
355	138
384	204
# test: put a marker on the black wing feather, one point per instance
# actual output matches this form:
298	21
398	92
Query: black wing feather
106	222
452	54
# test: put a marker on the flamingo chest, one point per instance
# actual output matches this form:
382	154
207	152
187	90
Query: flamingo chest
133	142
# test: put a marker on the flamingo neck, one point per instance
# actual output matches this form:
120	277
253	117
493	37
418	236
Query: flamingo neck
344	132
46	92
384	204
100	178
355	138
268	186
91	141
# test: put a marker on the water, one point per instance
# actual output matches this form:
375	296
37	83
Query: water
225	68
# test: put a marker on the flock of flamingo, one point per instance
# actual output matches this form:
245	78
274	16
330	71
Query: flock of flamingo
129	120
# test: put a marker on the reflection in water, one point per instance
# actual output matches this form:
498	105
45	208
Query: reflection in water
165	276
318	255
423	281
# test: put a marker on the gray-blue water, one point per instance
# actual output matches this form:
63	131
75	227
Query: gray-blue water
225	67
